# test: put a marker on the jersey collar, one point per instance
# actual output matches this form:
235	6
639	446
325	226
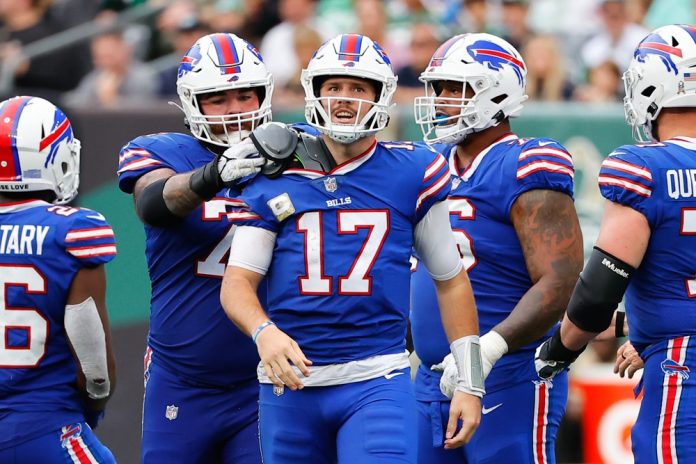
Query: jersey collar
343	168
470	169
15	206
686	142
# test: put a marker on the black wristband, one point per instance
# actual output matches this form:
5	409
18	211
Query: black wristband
619	324
558	352
205	181
152	208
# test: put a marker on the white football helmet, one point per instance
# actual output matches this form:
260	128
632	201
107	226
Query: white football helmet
350	55
660	76
37	149
494	71
218	62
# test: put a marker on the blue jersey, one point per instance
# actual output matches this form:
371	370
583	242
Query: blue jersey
42	248
338	282
659	181
190	335
480	202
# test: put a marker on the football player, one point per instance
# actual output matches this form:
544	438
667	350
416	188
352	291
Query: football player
201	391
56	362
512	213
333	235
646	248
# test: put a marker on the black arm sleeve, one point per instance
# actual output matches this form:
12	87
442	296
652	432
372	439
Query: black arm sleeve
151	207
599	291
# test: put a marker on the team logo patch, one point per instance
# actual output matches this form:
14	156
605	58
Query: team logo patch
281	206
671	367
172	412
330	184
68	432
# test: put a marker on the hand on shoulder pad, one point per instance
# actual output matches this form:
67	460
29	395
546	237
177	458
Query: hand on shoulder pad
240	160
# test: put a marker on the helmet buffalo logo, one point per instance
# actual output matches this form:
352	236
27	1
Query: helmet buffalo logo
382	53
494	57
190	60
671	367
656	45
60	132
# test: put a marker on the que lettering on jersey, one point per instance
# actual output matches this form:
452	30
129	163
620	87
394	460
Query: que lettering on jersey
22	239
681	183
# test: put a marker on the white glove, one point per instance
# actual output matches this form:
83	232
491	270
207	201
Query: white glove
240	160
450	375
493	347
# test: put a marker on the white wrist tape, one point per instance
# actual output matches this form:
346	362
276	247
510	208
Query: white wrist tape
467	355
86	334
493	347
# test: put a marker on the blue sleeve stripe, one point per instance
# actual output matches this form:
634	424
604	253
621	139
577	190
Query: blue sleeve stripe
134	159
605	179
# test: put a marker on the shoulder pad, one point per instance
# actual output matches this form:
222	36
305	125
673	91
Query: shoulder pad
276	142
313	153
284	146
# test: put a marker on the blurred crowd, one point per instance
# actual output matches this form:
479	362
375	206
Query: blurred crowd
574	50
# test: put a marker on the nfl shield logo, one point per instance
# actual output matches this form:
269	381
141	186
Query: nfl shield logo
330	184
172	412
278	391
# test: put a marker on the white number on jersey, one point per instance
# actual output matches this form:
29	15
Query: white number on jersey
358	281
688	227
465	210
28	320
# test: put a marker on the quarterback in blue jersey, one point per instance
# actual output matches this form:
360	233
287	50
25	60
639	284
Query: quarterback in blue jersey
511	210
646	248
56	362
201	392
334	242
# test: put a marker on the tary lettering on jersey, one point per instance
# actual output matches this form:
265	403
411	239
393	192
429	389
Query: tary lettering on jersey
681	183
22	239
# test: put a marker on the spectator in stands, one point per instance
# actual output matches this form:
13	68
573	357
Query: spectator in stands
423	44
305	41
474	17
117	79
277	44
250	19
48	75
515	22
190	29
604	85
372	22
616	40
547	79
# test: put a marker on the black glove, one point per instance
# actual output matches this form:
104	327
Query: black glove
552	357
93	417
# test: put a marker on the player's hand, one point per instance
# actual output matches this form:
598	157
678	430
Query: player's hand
467	409
450	375
93	417
552	357
628	362
238	161
279	353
